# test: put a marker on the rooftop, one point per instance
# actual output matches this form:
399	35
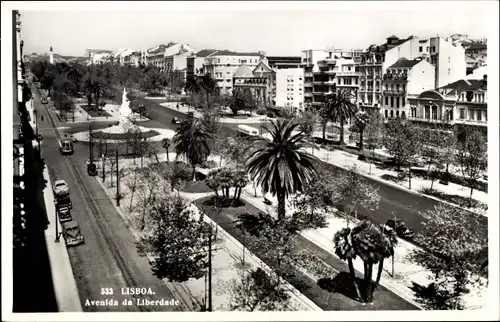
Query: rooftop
463	85
405	63
476	46
205	52
244	71
233	53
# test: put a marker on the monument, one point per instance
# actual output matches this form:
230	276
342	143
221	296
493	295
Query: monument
125	121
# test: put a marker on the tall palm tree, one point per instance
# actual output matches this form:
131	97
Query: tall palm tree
209	86
165	143
281	166
361	122
372	246
192	86
192	140
340	106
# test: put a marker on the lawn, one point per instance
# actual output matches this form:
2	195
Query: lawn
122	136
319	275
189	186
93	112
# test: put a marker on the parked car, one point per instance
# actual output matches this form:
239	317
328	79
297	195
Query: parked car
45	100
402	230
72	233
64	214
60	187
190	114
176	120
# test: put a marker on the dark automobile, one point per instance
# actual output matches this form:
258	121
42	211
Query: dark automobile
176	120
400	227
44	100
190	114
72	233
64	214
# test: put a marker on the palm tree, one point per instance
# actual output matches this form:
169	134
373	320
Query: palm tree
208	85
280	165
166	144
192	86
340	107
372	246
192	140
345	251
362	119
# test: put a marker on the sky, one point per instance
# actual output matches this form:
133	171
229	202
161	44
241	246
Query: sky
282	28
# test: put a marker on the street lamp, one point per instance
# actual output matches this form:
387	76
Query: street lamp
58	235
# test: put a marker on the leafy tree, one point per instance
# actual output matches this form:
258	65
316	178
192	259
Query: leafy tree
192	140
256	291
236	102
401	144
372	246
430	143
373	133
238	151
134	183
345	251
353	191
340	106
307	120
176	241
280	166
471	156
453	244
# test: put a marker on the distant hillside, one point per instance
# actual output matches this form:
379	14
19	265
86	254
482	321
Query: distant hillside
57	58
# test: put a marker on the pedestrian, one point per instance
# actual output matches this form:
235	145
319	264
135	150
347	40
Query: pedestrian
42	118
177	105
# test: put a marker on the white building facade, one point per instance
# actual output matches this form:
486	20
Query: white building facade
290	88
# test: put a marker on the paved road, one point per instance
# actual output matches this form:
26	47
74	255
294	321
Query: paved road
108	259
405	205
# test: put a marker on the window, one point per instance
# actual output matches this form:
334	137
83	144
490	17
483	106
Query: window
427	49
218	61
449	60
403	103
433	49
434	113
449	71
392	114
420	49
392	101
462	113
397	113
385	114
471	115
479	115
427	112
397	102
386	100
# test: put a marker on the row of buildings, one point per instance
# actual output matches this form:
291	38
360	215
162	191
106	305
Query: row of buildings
390	77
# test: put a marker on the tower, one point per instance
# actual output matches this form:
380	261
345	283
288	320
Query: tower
51	56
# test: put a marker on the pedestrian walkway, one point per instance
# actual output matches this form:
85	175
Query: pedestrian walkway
62	273
226	260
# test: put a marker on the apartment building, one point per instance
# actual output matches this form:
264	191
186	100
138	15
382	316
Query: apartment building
448	59
371	72
176	60
404	79
461	104
195	63
337	70
223	64
97	56
156	56
290	89
310	60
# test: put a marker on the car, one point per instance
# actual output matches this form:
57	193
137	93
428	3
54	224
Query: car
190	114
176	120
60	187
64	214
402	230
44	100
72	233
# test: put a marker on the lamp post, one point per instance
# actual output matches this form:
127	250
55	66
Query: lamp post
56	223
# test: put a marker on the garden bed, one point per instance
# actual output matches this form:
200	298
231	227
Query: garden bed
122	136
459	200
94	112
188	185
327	300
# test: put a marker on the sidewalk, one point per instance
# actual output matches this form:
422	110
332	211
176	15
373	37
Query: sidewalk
62	273
406	272
226	259
345	160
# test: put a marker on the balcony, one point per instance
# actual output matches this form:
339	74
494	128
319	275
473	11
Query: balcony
325	72
320	82
308	94
395	92
320	93
348	74
328	61
308	84
308	74
395	77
